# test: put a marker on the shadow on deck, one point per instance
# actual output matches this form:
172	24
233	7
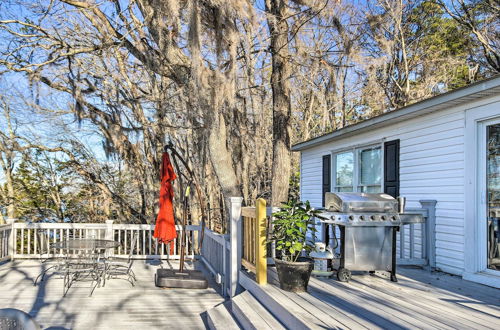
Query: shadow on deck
419	300
118	305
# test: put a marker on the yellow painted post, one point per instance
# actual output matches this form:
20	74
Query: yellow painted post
260	242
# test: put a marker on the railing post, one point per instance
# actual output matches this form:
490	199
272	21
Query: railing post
11	243
260	239
430	234
270	212
109	229
226	256
234	265
109	235
197	248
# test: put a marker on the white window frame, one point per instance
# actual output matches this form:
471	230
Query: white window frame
475	229
356	175
482	198
333	176
358	152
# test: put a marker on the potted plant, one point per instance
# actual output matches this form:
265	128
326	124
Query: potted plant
293	232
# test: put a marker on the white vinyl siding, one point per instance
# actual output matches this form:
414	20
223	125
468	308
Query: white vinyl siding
431	167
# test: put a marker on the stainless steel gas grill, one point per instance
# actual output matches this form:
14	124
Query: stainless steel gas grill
368	224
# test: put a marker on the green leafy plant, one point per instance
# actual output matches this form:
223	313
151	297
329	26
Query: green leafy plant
291	226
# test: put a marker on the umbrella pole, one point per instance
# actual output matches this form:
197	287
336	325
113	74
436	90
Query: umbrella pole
183	235
184	278
175	155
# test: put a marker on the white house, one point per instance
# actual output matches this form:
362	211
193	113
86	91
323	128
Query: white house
446	148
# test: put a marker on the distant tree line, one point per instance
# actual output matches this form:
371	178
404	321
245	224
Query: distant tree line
92	90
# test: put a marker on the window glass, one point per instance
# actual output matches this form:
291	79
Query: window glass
359	170
493	195
344	189
344	168
370	167
371	189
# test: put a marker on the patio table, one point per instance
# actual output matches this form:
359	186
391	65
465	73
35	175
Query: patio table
85	244
87	262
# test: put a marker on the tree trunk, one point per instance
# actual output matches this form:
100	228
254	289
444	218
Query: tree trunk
11	207
220	157
278	28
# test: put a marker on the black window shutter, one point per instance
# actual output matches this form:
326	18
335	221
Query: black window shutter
327	161
391	168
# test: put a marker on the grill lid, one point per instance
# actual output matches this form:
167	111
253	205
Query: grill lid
360	202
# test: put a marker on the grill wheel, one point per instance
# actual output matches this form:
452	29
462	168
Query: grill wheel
343	275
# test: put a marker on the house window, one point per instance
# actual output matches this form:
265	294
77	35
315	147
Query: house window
370	170
344	171
493	195
359	170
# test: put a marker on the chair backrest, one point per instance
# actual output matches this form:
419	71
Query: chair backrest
14	319
133	244
42	244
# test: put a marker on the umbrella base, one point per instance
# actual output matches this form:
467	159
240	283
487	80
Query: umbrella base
188	279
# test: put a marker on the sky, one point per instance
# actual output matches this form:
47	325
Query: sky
16	87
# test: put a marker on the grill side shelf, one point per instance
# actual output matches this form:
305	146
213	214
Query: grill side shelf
410	218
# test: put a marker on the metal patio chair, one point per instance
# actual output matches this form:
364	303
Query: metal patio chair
83	266
49	261
15	319
122	266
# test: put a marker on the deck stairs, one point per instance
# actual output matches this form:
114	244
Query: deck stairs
420	300
244	311
259	307
221	317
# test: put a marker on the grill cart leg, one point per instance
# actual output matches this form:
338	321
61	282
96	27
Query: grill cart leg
331	241
342	247
393	270
343	274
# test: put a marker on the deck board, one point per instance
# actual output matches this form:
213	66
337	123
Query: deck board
415	311
320	304
298	308
438	307
377	311
118	305
420	299
371	308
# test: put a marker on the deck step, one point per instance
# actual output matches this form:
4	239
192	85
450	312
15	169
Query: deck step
220	317
251	314
286	315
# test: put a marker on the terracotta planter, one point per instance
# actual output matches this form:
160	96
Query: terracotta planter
294	276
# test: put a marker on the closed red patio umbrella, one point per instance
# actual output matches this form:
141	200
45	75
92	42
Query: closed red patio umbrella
165	228
165	224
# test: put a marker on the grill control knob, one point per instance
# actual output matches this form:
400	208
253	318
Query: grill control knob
351	217
361	217
383	217
372	217
393	218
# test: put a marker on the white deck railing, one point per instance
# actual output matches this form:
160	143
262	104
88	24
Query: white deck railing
28	240
411	242
416	243
214	254
4	242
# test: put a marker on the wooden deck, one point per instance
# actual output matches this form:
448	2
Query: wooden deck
118	305
419	300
